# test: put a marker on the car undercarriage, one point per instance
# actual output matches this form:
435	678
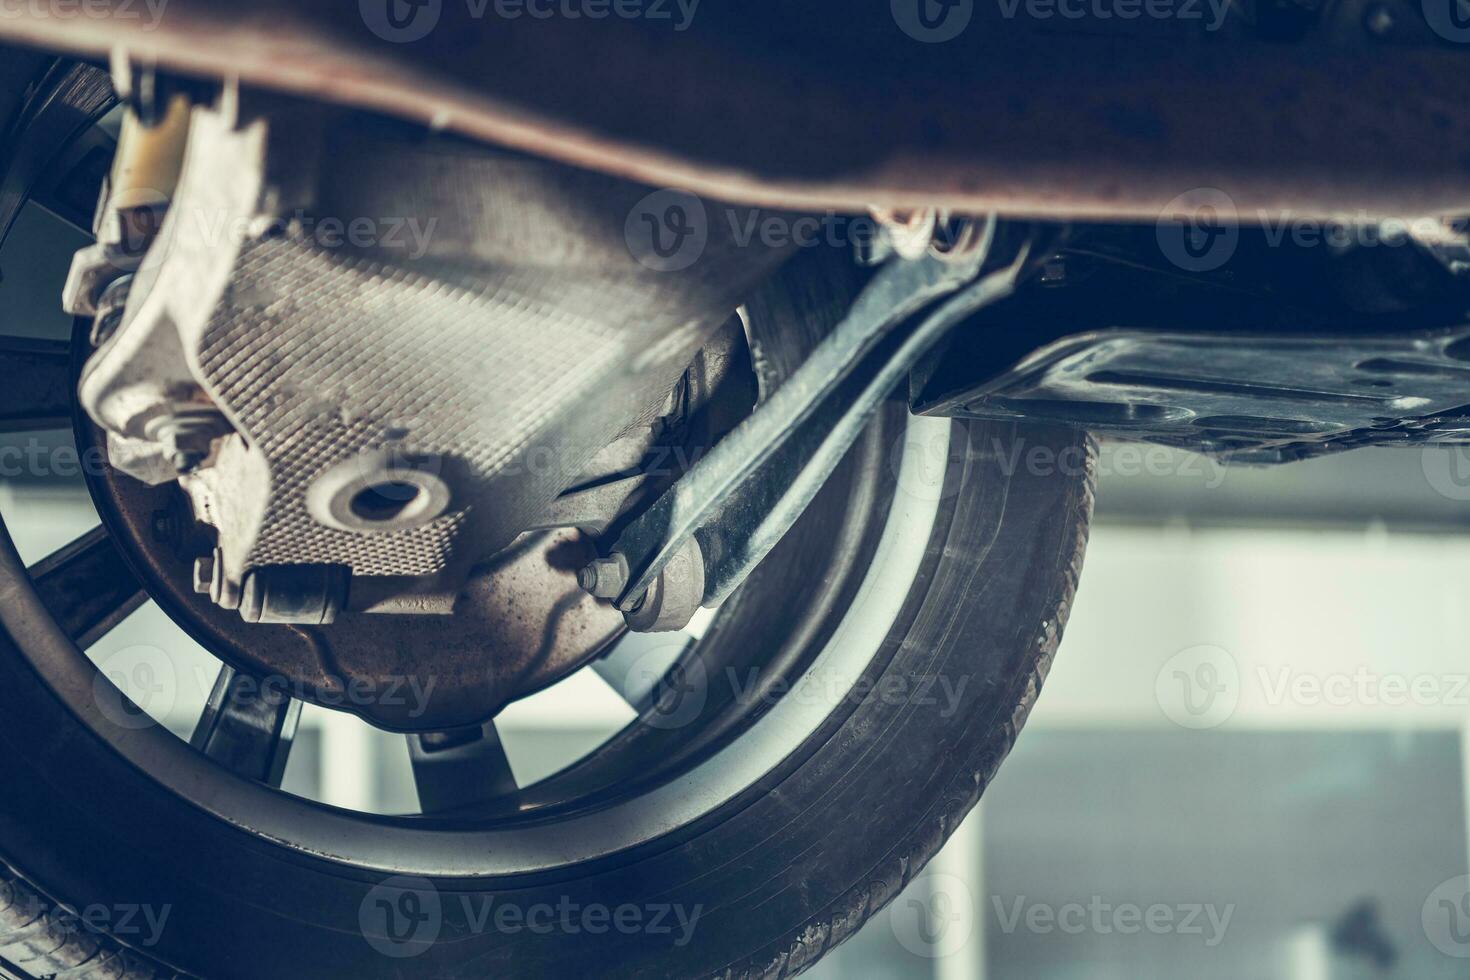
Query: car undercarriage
420	344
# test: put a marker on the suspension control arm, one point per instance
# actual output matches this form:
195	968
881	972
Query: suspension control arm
727	513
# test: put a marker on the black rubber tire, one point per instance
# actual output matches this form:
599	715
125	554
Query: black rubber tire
784	873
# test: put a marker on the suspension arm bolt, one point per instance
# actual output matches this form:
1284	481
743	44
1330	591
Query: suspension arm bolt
605	578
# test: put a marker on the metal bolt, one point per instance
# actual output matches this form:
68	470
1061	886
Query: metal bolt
605	578
204	574
187	440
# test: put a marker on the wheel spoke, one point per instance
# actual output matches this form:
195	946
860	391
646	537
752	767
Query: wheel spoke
35	385
73	185
459	768
88	587
70	98
635	666
248	727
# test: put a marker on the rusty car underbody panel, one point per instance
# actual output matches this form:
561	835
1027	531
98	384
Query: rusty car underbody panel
773	108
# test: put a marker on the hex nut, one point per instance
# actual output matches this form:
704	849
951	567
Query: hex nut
606	577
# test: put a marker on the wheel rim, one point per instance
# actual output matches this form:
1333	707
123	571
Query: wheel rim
405	845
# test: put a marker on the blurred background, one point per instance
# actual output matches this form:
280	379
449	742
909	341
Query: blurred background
1249	759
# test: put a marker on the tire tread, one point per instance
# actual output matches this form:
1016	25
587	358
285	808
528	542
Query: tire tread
44	939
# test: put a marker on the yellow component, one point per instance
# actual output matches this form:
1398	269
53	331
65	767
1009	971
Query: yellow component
149	158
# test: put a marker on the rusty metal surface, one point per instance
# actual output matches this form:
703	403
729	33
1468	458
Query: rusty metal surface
834	107
521	624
